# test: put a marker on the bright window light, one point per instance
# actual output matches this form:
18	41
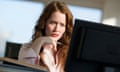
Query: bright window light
17	19
90	14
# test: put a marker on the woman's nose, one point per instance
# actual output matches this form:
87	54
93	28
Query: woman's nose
57	27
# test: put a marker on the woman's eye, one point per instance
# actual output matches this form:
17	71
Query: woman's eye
63	25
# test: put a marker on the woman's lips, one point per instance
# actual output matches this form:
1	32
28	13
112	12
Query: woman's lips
54	35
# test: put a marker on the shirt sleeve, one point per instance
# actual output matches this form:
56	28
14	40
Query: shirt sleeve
28	55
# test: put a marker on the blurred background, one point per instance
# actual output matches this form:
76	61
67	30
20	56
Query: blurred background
18	17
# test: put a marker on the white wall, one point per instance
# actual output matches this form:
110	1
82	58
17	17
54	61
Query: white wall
111	12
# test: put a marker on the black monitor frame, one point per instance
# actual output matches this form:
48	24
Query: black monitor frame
88	41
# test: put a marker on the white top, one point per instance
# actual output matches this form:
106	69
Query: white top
28	55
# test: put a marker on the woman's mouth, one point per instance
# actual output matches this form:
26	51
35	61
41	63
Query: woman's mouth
54	35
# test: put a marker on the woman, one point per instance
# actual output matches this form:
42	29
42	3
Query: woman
50	39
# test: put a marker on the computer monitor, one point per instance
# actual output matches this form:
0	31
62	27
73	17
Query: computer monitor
93	47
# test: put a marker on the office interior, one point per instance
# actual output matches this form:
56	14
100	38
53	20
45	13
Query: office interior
110	16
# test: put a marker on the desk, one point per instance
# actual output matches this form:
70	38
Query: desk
22	67
12	68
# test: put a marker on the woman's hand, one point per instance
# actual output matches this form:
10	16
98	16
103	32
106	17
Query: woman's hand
41	41
48	54
48	57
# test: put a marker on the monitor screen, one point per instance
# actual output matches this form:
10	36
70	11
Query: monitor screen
93	43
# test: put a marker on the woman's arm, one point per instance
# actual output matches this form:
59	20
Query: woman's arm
28	55
29	52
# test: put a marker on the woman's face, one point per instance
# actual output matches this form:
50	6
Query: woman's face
56	25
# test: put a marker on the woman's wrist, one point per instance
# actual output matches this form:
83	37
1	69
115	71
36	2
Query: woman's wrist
52	69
